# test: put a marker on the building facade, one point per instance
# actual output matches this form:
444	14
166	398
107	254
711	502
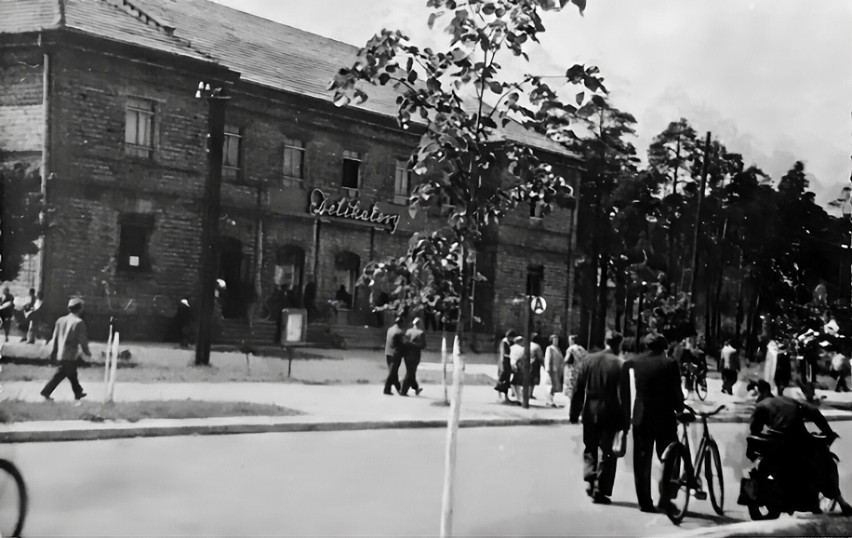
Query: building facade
100	95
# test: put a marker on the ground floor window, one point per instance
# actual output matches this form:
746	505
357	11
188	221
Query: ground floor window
134	235
535	279
346	272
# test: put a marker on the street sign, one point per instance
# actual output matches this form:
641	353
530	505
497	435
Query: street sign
538	305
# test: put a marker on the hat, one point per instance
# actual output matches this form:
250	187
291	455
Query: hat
75	301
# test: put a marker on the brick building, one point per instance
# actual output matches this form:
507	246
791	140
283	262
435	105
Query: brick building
100	95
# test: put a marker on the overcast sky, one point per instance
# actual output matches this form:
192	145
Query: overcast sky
771	78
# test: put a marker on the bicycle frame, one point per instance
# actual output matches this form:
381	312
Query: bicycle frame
700	454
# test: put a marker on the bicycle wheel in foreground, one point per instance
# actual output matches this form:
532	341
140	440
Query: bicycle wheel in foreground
715	480
675	483
13	500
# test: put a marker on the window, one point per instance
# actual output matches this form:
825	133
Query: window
294	158
139	128
402	182
231	151
351	170
135	232
535	279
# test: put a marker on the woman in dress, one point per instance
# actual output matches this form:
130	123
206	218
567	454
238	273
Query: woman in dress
552	367
574	355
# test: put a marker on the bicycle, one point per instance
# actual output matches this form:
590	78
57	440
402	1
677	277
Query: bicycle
679	470
695	380
13	499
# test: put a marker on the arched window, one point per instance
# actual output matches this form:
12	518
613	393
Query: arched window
347	266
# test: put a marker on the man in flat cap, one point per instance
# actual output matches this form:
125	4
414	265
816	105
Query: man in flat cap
657	400
69	334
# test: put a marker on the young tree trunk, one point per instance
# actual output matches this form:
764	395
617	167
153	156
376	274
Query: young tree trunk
603	299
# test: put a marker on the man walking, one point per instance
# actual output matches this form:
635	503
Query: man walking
730	367
414	342
7	312
504	367
658	399
394	346
68	334
597	395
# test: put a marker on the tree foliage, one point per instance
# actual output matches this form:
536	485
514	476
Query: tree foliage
459	100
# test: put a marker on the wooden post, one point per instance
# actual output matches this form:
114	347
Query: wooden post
452	433
107	356
289	360
113	366
444	368
527	360
207	270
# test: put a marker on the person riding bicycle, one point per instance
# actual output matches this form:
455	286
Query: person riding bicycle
802	463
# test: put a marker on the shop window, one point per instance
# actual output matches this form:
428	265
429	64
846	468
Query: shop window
402	182
535	279
139	128
346	271
231	157
294	158
351	170
289	264
135	232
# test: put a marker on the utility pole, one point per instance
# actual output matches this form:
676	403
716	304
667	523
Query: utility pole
705	169
207	268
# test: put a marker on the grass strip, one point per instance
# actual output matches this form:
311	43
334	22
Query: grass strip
25	411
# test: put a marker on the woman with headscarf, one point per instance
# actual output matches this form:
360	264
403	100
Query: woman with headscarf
574	355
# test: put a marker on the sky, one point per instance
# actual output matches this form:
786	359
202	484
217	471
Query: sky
771	79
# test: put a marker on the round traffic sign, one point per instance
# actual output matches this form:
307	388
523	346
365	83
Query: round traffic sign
538	305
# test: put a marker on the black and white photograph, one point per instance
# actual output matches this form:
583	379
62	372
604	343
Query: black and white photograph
432	268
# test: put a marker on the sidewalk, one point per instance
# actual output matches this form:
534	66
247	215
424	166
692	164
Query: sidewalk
324	406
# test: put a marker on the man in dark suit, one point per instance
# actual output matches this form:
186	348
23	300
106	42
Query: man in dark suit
68	335
394	346
657	401
598	395
414	342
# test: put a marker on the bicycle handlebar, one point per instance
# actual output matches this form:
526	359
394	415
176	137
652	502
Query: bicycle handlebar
704	415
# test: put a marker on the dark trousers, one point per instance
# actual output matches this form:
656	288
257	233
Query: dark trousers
410	379
393	373
67	369
599	471
644	443
729	377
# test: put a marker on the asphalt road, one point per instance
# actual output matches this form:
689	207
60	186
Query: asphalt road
511	481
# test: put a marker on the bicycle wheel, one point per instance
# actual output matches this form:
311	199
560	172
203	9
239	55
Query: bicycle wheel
13	499
674	485
715	479
701	387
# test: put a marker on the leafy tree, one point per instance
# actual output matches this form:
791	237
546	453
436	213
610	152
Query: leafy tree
457	99
20	221
672	151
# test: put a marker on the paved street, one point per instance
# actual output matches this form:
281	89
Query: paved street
512	481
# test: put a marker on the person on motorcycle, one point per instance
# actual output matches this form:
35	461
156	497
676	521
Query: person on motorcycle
809	465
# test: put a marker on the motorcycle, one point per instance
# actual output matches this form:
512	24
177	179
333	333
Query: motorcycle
764	492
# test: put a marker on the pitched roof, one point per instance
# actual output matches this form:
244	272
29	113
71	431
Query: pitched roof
264	52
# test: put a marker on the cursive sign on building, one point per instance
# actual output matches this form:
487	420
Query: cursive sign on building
351	209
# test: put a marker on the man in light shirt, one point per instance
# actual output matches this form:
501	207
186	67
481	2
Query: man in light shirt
69	334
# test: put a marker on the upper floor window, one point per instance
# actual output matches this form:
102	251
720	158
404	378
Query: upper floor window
351	170
139	128
402	182
231	160
294	158
135	231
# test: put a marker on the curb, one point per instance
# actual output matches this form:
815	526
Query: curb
121	431
808	525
